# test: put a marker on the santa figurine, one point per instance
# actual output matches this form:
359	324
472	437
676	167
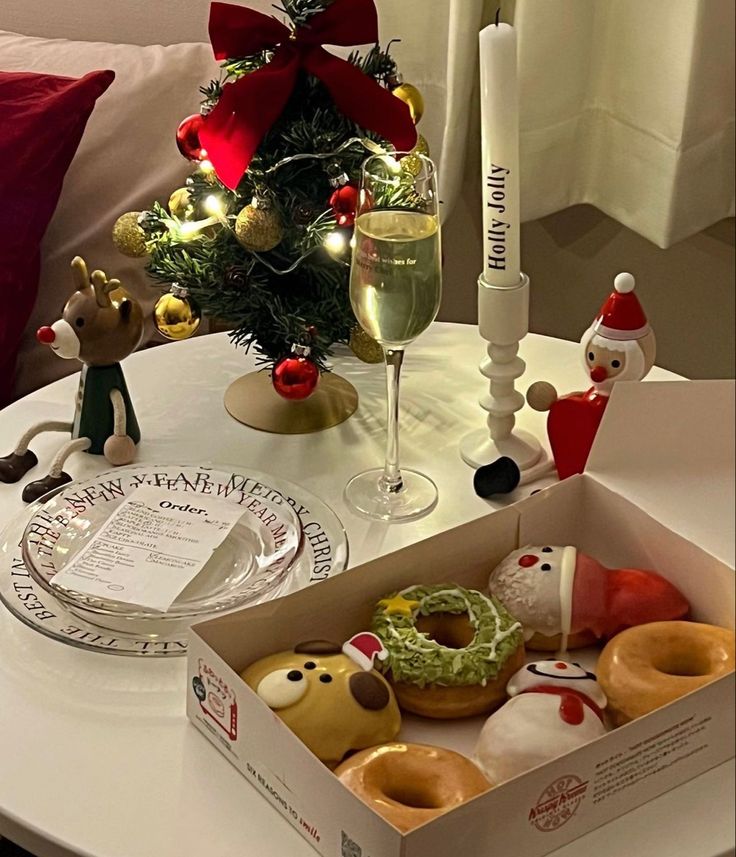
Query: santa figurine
618	346
555	707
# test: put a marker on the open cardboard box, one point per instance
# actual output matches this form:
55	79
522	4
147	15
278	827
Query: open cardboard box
658	494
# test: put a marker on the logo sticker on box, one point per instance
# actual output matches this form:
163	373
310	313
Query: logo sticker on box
216	699
558	803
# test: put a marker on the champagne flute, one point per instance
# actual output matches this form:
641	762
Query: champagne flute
395	290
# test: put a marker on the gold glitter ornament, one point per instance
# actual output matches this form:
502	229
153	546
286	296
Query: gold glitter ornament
422	146
176	316
412	97
364	346
127	235
180	203
258	227
411	163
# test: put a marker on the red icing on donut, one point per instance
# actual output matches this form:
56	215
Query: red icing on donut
572	703
572	710
528	560
606	601
636	597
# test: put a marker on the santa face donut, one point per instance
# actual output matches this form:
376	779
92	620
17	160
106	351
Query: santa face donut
450	650
555	707
566	599
409	784
646	667
331	702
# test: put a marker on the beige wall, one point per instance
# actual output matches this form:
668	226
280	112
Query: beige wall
572	257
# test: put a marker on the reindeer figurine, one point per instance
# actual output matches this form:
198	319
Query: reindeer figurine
100	325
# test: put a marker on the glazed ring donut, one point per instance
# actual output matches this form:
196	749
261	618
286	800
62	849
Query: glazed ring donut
647	666
409	784
451	650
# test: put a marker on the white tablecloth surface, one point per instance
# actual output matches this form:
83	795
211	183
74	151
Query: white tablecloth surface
96	755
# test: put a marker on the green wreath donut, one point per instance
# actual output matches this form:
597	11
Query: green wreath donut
415	658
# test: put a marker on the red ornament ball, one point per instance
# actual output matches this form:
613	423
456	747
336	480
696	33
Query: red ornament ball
187	138
344	202
295	377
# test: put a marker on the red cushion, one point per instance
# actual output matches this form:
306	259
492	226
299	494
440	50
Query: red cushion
42	119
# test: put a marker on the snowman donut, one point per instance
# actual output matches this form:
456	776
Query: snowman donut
555	707
566	599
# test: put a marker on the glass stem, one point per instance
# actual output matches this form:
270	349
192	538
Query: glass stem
391	480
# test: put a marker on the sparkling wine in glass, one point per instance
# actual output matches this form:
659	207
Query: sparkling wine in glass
395	290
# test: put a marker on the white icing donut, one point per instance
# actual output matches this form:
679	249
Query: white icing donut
563	596
535	584
555	707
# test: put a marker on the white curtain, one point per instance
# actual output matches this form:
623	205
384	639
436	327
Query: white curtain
628	105
438	53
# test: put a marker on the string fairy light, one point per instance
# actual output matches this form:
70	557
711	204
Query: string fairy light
214	206
335	243
191	228
369	145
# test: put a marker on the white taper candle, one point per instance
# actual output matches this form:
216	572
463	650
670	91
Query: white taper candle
500	137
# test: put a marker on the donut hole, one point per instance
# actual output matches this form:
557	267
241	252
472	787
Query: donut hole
408	794
450	630
685	663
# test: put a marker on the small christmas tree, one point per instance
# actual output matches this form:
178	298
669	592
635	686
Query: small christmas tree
260	235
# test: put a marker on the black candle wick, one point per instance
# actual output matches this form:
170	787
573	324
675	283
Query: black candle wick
498	14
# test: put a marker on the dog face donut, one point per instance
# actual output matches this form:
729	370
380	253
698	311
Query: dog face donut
409	784
645	667
450	650
327	699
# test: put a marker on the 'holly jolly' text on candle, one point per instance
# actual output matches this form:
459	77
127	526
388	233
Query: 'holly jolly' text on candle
500	138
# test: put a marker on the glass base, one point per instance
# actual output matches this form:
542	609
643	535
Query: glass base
365	496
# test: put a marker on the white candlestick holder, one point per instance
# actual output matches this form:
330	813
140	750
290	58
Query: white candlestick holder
503	320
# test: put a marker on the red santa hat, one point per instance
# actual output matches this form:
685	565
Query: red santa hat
621	316
363	648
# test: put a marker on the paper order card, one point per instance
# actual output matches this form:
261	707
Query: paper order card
150	547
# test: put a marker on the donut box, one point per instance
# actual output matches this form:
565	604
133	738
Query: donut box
648	499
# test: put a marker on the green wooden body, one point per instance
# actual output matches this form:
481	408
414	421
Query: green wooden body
94	416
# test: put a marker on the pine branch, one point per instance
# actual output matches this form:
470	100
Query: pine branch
300	11
272	311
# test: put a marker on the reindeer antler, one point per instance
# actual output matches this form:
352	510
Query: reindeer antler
79	273
103	287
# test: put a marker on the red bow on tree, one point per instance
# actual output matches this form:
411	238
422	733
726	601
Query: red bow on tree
247	108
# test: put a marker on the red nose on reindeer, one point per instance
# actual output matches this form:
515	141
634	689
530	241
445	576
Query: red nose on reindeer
598	374
45	335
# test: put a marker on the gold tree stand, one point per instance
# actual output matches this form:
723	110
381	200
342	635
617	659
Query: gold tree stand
253	401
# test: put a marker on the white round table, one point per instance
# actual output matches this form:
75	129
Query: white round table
96	755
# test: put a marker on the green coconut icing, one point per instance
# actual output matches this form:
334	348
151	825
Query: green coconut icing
415	658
